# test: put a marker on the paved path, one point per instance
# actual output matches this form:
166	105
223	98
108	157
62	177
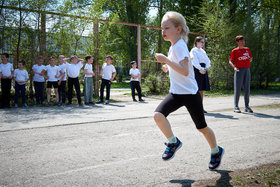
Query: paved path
120	145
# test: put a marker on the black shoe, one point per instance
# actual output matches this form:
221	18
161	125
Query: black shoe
100	102
171	149
141	100
216	159
237	110
135	100
249	110
86	103
91	103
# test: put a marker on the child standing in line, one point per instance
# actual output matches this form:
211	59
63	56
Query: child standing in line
73	72
201	63
38	71
134	81
88	80
108	73
62	80
52	71
6	80
21	77
183	89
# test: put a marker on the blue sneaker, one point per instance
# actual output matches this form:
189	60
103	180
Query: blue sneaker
171	149
216	159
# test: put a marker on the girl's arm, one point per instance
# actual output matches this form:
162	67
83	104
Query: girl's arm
182	67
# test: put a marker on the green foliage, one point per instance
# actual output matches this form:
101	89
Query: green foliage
157	83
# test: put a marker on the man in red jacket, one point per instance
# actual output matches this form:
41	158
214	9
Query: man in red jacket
240	59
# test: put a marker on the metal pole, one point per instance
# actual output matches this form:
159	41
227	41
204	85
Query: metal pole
96	57
139	48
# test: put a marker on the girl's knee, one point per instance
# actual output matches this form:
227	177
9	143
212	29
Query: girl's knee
158	116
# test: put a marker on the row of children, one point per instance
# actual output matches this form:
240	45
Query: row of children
56	77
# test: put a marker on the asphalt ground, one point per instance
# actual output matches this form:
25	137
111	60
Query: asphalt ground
120	145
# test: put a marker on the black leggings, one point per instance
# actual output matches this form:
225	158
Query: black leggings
193	103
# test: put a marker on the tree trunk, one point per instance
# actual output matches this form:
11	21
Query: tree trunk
19	34
159	34
43	45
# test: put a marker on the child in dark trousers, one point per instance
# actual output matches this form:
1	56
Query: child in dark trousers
73	71
62	80
134	81
38	71
183	89
6	80
108	73
21	77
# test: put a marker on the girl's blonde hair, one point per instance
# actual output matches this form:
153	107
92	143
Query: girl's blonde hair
178	20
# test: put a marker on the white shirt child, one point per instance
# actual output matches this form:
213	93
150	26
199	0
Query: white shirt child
198	55
52	71
180	84
21	75
88	67
134	72
63	70
73	70
7	69
108	71
37	77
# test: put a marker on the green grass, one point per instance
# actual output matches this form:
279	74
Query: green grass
120	85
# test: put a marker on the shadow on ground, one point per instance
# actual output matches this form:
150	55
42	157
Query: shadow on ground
219	115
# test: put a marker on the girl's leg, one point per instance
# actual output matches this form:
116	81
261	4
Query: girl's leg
49	95
201	94
209	136
167	106
163	124
56	95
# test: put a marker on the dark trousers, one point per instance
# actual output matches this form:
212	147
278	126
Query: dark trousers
62	92
104	83
6	92
21	89
75	82
39	92
135	85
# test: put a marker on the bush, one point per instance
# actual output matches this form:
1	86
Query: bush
157	83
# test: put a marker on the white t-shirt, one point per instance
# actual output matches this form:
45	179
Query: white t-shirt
108	71
7	69
73	70
52	71
180	84
134	72
37	77
21	75
63	69
88	67
198	55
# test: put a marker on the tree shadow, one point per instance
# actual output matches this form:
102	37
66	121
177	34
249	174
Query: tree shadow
184	183
219	115
260	115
